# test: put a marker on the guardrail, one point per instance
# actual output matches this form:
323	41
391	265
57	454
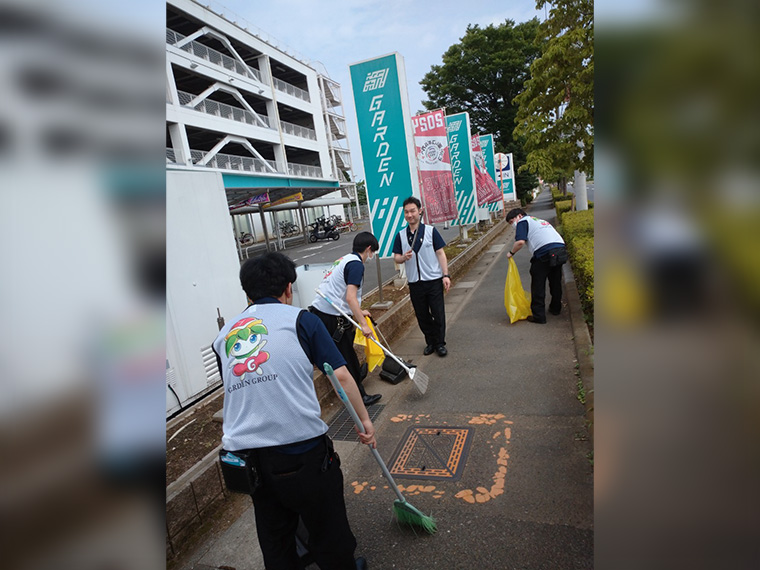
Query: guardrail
211	55
285	87
298	131
233	162
223	110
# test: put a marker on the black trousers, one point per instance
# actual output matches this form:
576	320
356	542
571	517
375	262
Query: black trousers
345	345
309	485
427	300
540	271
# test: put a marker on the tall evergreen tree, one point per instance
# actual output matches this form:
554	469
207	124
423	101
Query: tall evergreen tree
482	75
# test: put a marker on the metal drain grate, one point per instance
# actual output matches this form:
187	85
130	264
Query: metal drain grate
432	452
342	426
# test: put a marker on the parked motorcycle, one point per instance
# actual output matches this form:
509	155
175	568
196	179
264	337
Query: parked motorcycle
322	229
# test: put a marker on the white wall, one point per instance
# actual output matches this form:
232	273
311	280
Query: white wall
202	274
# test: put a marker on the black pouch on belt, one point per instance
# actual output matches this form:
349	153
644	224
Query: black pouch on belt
331	456
239	471
557	256
343	326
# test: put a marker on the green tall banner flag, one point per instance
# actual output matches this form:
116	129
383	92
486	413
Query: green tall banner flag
486	144
386	141
462	168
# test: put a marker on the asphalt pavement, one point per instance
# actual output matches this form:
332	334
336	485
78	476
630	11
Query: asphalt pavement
496	450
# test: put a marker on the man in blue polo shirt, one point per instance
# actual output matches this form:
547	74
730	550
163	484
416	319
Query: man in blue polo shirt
420	249
549	253
343	285
266	356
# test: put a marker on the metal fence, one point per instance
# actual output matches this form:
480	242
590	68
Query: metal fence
304	170
223	110
230	63
298	131
246	163
233	162
211	55
281	85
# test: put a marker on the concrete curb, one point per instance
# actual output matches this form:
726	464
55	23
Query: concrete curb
584	348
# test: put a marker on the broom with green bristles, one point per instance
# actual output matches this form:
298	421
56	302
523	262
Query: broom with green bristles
405	512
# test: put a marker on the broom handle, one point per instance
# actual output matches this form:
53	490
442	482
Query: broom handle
377	329
354	416
353	322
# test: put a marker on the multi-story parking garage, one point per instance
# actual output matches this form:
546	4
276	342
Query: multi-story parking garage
247	126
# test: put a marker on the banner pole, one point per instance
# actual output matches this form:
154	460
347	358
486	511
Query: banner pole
501	175
379	278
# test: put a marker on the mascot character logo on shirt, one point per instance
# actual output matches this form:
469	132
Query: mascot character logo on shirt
244	343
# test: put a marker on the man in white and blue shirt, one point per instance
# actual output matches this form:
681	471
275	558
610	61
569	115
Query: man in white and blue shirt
343	285
548	255
420	249
266	356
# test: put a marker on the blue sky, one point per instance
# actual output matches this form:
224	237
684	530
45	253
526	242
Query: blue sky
340	32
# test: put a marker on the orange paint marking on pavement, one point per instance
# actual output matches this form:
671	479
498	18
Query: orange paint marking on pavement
400	418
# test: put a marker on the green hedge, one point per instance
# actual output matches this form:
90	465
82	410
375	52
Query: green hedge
559	196
577	224
581	251
577	228
563	206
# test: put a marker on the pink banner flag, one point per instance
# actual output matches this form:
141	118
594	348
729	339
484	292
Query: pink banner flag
434	167
485	186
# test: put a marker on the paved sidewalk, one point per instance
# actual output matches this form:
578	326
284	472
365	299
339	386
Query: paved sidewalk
522	491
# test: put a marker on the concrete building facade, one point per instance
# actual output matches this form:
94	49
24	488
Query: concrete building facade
248	126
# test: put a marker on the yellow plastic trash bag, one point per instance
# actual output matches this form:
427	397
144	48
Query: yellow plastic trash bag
374	353
516	299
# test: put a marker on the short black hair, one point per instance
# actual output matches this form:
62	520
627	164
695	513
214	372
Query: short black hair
412	200
512	214
364	240
267	275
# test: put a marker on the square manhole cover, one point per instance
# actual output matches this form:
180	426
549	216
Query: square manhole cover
341	428
432	452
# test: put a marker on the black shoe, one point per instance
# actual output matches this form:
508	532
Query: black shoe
370	399
532	319
557	312
441	350
428	350
361	563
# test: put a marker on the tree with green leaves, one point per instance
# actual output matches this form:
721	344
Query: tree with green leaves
482	75
361	192
556	109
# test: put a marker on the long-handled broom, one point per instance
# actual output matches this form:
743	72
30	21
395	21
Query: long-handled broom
405	512
419	378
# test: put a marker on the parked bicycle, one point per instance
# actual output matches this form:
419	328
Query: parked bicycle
288	229
347	226
245	238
